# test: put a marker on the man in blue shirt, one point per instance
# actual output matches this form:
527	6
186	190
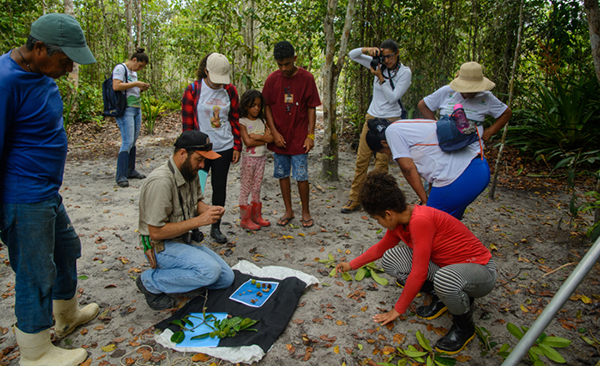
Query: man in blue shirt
42	244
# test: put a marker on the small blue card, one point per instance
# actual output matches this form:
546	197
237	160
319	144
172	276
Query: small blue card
203	328
202	174
254	294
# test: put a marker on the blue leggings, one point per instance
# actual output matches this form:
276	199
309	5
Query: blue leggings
455	198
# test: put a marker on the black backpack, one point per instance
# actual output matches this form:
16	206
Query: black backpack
115	102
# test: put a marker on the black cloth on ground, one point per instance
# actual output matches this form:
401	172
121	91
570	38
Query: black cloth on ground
273	316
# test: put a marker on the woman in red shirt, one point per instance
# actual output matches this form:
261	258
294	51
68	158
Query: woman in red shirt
442	257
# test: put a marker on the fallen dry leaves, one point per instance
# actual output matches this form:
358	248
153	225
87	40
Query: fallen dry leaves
200	357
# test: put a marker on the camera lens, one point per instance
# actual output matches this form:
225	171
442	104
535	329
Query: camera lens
375	62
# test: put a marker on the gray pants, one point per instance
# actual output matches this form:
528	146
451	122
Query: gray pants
453	284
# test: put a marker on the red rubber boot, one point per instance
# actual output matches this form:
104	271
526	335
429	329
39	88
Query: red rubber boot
245	212
256	215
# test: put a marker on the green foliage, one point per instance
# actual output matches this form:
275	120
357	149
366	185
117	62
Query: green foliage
82	104
370	270
151	108
593	231
592	342
227	327
486	339
544	346
559	119
411	354
559	125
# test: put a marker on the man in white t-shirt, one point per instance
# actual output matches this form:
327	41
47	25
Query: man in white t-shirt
471	89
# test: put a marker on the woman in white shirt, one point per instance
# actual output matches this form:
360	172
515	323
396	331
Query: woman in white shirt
125	80
211	105
456	178
391	80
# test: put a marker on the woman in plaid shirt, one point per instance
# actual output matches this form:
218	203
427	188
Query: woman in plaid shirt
211	104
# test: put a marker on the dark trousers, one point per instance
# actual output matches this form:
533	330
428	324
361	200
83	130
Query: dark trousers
220	169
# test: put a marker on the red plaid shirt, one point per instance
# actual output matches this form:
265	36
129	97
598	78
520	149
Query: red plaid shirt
189	117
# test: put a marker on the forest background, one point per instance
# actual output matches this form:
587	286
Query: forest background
549	49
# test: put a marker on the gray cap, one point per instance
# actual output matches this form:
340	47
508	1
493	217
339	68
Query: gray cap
64	31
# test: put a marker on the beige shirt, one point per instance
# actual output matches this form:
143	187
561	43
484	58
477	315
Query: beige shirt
159	200
258	127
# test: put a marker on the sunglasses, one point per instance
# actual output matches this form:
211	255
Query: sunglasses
383	57
206	147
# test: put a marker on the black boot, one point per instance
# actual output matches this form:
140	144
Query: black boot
155	301
433	310
122	162
131	172
215	232
461	333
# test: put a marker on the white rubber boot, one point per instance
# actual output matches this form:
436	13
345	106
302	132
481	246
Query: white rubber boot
37	350
68	316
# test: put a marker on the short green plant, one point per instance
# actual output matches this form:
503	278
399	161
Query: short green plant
593	231
151	108
368	270
227	327
592	342
486	339
410	355
572	160
544	346
330	262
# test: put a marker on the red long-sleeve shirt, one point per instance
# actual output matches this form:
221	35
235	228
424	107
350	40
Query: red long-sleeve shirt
433	235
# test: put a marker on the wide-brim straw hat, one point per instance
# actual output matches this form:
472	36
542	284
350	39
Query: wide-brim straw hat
470	79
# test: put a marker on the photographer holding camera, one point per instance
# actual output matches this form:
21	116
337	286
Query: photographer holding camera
391	80
171	211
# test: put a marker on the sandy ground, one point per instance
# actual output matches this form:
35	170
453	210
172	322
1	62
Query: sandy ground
332	324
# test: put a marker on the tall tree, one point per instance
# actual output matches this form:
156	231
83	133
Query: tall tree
593	15
138	21
331	73
128	24
73	75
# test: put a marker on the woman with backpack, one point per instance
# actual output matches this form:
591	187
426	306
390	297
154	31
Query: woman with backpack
125	79
211	104
456	178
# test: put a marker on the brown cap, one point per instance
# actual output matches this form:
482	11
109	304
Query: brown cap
198	142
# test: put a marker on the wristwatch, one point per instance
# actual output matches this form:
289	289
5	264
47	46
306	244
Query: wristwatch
382	82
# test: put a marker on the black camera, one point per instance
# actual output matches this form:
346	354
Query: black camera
194	235
376	62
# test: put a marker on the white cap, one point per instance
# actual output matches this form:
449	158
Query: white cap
218	68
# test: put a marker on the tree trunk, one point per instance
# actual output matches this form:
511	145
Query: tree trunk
128	10
138	21
73	75
330	74
250	45
593	14
510	97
